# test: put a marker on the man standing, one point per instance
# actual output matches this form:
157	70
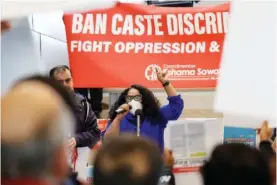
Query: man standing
167	177
33	143
127	160
87	132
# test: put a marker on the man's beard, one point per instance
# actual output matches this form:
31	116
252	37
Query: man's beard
70	90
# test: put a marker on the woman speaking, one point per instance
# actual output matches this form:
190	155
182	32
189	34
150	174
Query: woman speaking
154	118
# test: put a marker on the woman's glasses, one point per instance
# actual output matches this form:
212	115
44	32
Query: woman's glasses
136	98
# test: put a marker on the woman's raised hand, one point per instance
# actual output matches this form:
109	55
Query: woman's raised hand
162	75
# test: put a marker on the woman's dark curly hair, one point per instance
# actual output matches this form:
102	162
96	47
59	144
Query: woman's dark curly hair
150	103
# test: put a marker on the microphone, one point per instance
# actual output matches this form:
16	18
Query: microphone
138	112
121	110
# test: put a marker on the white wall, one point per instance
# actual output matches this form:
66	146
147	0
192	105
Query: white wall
48	45
20	53
53	48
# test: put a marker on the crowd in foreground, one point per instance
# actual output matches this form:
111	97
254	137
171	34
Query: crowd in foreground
38	121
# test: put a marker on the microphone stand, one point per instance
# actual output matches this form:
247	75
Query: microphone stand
138	125
138	114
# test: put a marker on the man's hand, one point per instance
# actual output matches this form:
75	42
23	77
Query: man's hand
72	143
168	158
5	26
265	132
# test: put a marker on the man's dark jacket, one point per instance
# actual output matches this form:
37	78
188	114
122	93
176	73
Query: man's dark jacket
167	177
87	132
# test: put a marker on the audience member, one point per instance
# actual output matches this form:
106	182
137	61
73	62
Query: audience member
127	160
167	177
267	146
5	26
266	141
66	96
87	132
168	158
36	123
236	164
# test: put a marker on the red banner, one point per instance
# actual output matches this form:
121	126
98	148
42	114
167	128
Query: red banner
120	46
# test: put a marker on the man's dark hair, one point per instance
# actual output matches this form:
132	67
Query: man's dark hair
66	96
127	160
58	68
236	164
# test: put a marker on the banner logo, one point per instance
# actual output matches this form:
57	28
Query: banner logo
150	72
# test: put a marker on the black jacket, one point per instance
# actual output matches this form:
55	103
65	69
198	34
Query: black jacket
167	177
87	132
266	149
